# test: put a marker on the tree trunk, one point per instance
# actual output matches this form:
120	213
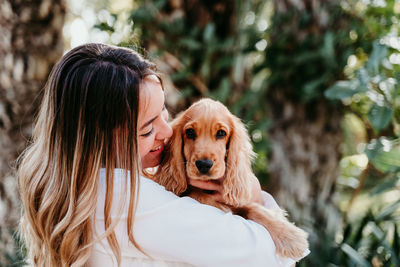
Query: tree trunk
306	133
30	44
304	162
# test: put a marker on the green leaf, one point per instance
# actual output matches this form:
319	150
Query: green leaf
143	14
375	147
354	255
223	63
357	237
159	4
223	91
376	230
380	235
205	69
384	154
310	88
379	52
363	77
386	185
258	81
328	47
209	32
344	89
396	240
388	161
104	27
189	43
388	212
380	116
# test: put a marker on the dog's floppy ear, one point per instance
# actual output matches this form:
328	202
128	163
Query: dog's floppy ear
237	188
171	173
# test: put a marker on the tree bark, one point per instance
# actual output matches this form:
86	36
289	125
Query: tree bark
30	44
304	162
305	134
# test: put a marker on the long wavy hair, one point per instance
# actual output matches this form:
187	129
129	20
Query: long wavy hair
87	121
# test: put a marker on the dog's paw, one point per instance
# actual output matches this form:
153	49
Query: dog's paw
291	242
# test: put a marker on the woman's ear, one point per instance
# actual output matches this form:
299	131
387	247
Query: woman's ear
237	188
171	172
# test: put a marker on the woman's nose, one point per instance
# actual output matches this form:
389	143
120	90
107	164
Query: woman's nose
168	130
165	130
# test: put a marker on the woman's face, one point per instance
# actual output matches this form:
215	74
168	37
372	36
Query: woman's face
152	122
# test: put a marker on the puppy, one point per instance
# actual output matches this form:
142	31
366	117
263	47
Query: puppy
209	143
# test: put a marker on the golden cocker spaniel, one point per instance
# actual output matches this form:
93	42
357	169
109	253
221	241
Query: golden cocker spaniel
209	143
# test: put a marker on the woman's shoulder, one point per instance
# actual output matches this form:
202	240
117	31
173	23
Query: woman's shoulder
151	195
167	225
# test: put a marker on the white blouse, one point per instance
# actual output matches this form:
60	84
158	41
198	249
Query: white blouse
178	231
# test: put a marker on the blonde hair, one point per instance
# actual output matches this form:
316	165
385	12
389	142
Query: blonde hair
87	120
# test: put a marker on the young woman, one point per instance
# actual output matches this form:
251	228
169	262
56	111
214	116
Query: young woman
101	122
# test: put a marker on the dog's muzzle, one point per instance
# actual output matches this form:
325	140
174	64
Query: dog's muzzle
204	165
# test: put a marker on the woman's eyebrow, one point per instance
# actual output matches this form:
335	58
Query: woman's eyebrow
151	121
148	123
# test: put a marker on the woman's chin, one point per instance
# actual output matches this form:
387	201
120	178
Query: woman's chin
150	161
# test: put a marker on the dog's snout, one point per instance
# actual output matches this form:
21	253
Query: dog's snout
204	165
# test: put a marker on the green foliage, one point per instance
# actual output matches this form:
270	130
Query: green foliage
203	54
103	26
372	94
305	60
373	238
377	86
369	241
230	57
345	89
384	154
210	59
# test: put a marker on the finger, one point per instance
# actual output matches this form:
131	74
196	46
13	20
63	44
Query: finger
206	185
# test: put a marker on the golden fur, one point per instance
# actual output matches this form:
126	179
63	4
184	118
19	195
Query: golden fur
222	138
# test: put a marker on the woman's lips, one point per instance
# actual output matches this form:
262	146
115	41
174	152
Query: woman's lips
157	149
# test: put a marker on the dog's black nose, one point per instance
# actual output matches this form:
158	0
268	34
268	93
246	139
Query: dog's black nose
204	165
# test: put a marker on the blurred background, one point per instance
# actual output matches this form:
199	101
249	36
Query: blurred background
315	81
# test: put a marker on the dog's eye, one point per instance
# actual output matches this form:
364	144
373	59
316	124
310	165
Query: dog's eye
221	134
190	133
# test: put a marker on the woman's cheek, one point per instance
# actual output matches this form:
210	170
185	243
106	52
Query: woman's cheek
143	147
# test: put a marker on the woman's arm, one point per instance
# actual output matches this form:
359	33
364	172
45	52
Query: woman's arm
258	196
182	229
170	228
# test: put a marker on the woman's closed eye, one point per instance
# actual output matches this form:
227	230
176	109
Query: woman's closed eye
163	115
148	133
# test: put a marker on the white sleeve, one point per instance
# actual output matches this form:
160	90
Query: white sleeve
183	230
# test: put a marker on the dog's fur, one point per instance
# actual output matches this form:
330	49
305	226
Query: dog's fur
231	155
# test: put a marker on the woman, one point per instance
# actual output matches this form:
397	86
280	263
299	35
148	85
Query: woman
101	122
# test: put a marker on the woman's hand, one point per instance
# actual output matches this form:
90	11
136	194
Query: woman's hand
215	188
